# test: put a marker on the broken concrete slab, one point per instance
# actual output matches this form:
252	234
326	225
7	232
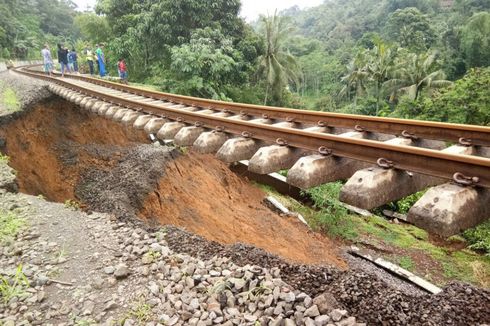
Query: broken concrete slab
187	135
273	158
210	142
119	115
238	149
448	209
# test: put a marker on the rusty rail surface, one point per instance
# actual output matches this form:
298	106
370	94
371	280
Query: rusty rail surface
414	159
451	132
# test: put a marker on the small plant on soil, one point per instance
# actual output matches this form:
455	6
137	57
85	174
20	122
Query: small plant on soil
332	217
13	287
151	256
141	311
4	158
10	225
218	287
406	262
72	204
258	291
82	321
479	237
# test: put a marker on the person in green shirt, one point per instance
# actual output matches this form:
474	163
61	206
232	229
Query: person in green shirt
100	60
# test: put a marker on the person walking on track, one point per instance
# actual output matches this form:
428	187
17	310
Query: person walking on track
47	60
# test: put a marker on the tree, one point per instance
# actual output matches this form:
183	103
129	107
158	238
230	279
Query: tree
93	27
276	65
380	63
410	28
414	73
206	64
356	77
475	40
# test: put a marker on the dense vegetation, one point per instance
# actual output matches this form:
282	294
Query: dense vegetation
424	59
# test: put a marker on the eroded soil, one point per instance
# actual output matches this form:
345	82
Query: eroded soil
65	154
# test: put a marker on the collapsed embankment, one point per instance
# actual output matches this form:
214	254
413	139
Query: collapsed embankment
68	155
65	154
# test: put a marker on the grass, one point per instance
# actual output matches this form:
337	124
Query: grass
10	100
13	287
10	225
4	159
406	262
410	246
72	204
140	310
479	237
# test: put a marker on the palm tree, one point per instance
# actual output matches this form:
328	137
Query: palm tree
414	74
379	67
356	77
278	66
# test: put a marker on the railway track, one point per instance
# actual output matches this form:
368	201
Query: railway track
278	138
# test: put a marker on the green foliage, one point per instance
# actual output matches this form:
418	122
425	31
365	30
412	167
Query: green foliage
277	66
479	237
411	29
13	287
467	101
406	262
92	27
403	205
332	217
72	204
4	158
10	225
475	40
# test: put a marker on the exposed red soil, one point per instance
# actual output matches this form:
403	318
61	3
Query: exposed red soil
45	149
201	194
55	144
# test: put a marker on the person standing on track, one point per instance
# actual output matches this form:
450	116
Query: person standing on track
47	60
123	72
73	60
63	59
101	61
90	60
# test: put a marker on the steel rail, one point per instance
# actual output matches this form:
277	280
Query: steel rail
415	159
475	135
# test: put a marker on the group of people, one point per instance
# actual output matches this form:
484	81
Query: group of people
68	61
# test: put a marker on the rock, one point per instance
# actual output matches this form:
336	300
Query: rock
250	318
121	271
312	311
110	305
109	270
325	302
337	314
322	320
351	321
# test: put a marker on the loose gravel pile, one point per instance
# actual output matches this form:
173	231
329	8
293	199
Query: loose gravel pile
363	294
27	90
88	269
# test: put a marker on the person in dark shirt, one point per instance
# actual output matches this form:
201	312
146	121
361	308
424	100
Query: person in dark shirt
63	59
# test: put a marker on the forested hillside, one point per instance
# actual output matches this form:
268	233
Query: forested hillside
426	59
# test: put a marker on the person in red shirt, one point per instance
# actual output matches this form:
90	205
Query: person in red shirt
123	73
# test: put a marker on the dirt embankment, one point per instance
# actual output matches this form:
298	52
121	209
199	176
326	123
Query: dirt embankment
65	154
